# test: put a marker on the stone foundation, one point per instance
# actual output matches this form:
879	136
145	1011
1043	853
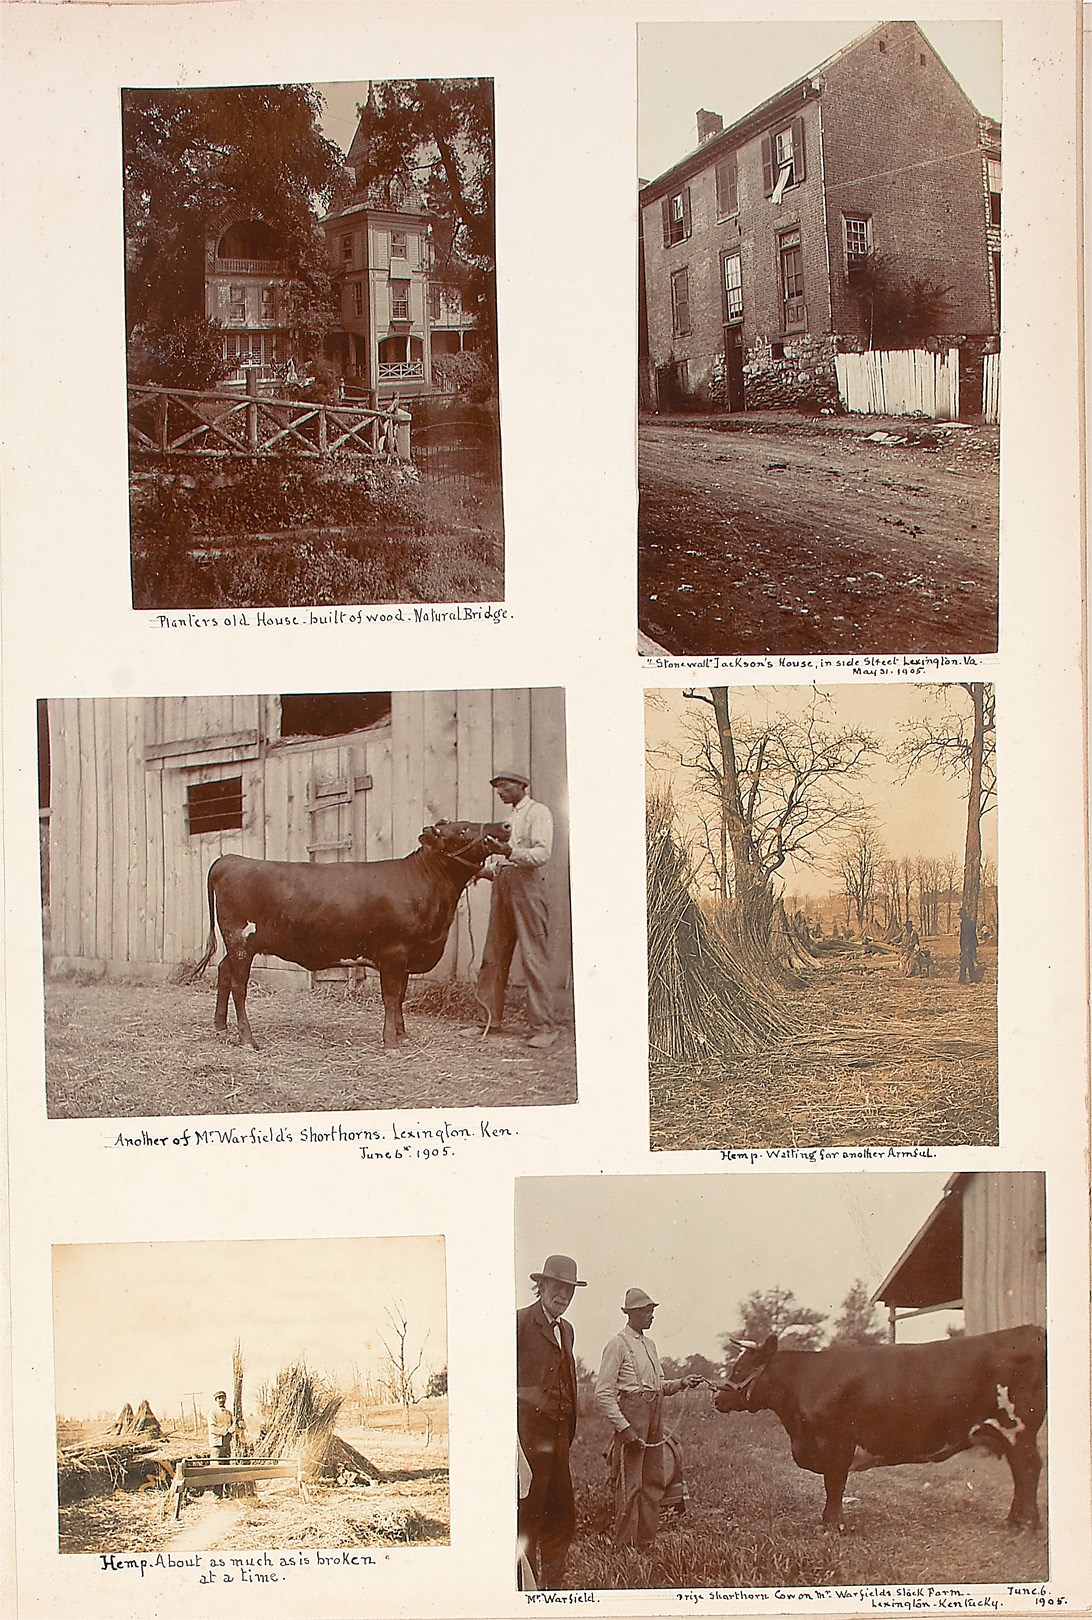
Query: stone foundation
803	379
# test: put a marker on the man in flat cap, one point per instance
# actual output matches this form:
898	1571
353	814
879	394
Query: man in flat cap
646	1463
519	913
546	1419
221	1429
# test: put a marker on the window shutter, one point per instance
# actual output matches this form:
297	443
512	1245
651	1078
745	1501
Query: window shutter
768	176
799	163
686	211
665	210
727	186
682	303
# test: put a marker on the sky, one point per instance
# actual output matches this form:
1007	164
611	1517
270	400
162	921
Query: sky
924	815
339	117
701	1243
155	1321
731	67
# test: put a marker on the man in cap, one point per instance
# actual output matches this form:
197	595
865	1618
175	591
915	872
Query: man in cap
646	1464
519	913
221	1429
546	1418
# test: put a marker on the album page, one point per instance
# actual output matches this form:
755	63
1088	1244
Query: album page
544	821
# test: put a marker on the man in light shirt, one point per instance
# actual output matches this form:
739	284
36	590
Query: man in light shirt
519	913
221	1429
646	1464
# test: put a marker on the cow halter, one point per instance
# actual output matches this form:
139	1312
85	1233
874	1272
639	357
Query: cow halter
459	854
746	1386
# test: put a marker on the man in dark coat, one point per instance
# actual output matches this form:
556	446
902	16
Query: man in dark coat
968	948
546	1418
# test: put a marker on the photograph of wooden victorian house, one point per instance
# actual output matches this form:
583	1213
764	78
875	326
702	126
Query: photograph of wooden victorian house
819	337
311	344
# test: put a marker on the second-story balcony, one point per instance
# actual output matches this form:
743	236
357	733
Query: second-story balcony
251	267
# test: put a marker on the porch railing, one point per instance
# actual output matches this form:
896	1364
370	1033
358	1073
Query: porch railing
401	371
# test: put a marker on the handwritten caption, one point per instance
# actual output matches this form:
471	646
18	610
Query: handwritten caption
819	1155
905	1599
260	1569
393	1141
311	618
900	665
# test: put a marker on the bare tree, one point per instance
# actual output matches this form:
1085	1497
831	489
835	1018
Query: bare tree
400	1370
859	861
960	746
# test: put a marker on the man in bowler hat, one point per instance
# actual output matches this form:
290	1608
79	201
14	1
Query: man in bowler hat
546	1418
519	913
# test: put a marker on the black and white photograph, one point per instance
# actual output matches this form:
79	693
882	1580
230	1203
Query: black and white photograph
822	915
819	336
313	837
851	1393
307	1410
310	298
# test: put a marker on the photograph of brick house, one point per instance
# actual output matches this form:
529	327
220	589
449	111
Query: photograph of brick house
836	249
311	344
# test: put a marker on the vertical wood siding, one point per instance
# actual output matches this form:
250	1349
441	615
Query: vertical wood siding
1004	1250
128	880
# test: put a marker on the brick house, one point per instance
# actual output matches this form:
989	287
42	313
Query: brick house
397	314
761	249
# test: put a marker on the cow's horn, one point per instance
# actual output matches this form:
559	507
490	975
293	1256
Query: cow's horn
743	1344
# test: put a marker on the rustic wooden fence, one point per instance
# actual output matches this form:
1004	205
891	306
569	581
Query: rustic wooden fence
900	382
183	421
991	388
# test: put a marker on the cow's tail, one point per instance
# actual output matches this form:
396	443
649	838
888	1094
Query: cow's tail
200	967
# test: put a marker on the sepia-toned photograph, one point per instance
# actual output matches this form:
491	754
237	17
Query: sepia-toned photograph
306	1409
822	916
219	875
310	296
852	1393
819	337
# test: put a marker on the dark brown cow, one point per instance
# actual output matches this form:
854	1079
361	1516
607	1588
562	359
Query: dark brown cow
864	1406
392	915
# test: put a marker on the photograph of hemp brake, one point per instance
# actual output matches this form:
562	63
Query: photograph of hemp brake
819	337
310	295
329	1430
323	840
822	916
863	1352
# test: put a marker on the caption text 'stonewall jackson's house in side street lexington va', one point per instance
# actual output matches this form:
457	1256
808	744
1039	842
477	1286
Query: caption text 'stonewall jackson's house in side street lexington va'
762	249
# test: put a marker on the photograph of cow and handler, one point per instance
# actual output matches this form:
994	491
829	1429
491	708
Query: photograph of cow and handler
819	336
307	1410
311	837
310	297
822	916
866	1357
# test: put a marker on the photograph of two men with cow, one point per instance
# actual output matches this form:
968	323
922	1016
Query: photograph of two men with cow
292	842
853	1392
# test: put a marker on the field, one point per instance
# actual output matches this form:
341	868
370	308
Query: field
877	1059
769	533
115	1049
753	1518
409	1506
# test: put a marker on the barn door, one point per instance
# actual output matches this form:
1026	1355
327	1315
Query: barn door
336	820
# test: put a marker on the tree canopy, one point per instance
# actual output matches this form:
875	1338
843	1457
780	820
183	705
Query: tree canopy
776	1311
856	1323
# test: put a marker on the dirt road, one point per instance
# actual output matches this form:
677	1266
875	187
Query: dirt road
775	534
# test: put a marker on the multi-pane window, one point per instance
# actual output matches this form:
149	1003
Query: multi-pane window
237	303
214	806
993	180
358	298
727	178
347	249
733	287
858	229
434	300
400	301
792	281
398	244
676	217
269	303
783	162
680	303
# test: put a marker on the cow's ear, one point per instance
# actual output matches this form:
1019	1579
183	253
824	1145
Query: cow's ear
429	838
769	1349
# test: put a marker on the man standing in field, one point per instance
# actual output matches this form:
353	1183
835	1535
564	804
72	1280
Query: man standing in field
968	948
221	1429
546	1419
519	913
645	1463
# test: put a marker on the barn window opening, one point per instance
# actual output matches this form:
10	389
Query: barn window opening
329	714
215	806
43	754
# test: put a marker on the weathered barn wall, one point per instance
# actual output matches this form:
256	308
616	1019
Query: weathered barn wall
128	880
1004	1250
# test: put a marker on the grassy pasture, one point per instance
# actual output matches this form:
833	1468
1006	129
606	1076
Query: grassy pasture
877	1059
410	1506
115	1050
753	1518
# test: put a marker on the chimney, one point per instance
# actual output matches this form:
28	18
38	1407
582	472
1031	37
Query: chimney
709	124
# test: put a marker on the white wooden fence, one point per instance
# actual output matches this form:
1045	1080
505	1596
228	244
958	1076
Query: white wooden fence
991	388
900	382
